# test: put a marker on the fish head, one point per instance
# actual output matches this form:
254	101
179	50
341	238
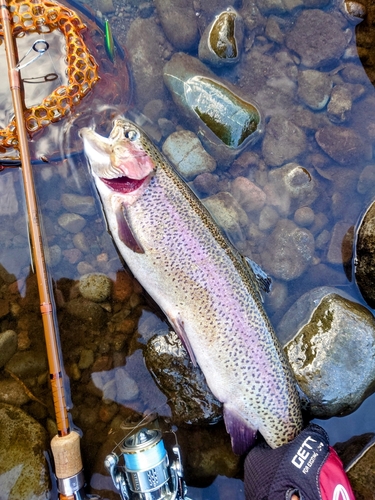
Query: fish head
119	163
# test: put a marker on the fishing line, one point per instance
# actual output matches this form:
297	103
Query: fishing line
146	418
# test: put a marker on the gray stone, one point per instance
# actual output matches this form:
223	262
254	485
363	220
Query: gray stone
221	42
96	287
80	242
73	223
24	470
53	255
223	120
86	359
332	350
365	256
273	31
283	141
227	213
190	398
304	216
344	145
317	37
179	22
268	218
146	55
249	196
12	392
338	251
185	151
26	364
295	182
366	181
288	251
83	205
314	88
86	310
340	104
8	346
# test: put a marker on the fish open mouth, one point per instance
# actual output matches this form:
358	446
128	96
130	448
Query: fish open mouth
123	184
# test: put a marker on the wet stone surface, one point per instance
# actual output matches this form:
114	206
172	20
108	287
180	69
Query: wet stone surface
24	470
365	256
325	336
191	400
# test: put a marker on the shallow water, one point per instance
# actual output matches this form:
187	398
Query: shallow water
124	322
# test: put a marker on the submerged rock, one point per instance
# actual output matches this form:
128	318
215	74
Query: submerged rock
179	22
96	287
330	342
146	57
314	88
185	151
219	116
283	141
24	471
8	346
288	251
361	468
222	40
228	214
190	398
364	262
343	145
317	37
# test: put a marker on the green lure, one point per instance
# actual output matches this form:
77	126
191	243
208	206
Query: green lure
108	41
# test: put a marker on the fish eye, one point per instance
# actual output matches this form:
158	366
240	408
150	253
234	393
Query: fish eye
131	134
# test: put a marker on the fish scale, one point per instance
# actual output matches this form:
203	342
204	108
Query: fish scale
207	291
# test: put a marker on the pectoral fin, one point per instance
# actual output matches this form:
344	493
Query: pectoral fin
178	326
242	434
125	232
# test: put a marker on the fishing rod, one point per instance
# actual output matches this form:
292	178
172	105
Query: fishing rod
66	444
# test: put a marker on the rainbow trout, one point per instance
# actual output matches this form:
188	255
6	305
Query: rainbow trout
206	289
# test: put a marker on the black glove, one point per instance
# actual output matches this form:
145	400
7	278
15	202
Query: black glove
307	467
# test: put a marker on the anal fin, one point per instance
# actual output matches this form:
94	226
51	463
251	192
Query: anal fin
125	232
242	434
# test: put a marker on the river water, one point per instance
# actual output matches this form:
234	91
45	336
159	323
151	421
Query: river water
102	341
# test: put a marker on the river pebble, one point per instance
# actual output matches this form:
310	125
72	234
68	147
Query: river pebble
185	151
250	197
71	222
168	361
179	22
365	256
86	310
95	287
27	364
283	141
147	58
343	145
12	392
83	205
340	104
314	88
330	344
287	251
8	346
221	42
24	470
316	51
227	213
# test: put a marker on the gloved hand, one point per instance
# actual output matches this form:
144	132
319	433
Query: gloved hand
307	467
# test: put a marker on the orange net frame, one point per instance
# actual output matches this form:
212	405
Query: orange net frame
44	16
